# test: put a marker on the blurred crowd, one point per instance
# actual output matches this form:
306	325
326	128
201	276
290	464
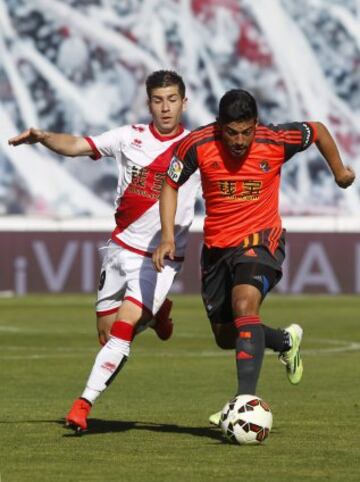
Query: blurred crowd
79	66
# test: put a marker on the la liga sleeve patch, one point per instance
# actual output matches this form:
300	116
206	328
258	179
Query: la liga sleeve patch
175	169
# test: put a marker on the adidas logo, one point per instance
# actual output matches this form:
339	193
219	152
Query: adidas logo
215	165
250	252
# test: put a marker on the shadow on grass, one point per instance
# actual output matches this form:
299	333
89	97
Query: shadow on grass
98	426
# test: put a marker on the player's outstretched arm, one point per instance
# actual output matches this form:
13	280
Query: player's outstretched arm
344	175
64	144
168	204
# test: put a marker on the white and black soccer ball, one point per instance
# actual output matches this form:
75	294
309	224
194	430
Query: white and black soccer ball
246	419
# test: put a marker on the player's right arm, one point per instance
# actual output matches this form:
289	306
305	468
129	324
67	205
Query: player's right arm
344	175
168	205
64	144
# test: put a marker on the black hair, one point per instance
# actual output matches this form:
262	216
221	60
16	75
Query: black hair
164	78
237	105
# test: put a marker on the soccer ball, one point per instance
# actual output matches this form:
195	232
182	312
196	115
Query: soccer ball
246	420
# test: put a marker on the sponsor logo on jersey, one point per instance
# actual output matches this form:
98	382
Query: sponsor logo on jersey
136	143
175	169
250	190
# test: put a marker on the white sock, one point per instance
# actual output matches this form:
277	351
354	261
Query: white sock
108	363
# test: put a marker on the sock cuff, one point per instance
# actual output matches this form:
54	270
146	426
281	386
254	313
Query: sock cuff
121	329
86	400
241	321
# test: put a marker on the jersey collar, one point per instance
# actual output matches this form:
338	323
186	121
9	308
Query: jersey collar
161	138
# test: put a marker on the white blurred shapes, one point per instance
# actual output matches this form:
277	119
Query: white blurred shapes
80	66
344	17
7	60
98	33
54	191
310	94
73	57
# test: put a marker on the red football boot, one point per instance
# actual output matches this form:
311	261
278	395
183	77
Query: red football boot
163	324
77	417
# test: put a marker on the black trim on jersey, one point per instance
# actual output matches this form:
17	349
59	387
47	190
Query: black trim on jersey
205	126
190	160
208	139
290	149
190	164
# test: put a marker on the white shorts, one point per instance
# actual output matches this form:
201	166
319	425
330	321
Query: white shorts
128	275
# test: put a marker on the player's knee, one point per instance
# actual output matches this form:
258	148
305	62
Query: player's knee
243	305
104	326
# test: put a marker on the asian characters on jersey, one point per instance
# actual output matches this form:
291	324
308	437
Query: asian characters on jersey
246	190
146	182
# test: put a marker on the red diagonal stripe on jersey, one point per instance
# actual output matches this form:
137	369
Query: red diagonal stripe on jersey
136	200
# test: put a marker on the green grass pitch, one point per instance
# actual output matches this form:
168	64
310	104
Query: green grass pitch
151	424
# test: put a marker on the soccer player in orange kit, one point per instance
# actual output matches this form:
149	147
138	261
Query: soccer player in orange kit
240	162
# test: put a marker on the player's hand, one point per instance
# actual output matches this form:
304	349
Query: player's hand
345	178
165	248
30	136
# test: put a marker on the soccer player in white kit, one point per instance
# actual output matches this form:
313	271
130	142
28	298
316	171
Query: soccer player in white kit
131	294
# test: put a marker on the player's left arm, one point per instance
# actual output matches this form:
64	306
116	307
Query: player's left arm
178	173
344	175
168	205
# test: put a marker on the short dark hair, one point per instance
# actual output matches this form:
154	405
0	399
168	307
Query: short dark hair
164	78
237	105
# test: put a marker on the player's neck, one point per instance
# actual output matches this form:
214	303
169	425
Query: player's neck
165	136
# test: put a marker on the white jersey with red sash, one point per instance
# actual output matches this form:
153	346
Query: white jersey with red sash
143	158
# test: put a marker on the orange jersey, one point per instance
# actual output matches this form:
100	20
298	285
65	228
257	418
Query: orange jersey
241	195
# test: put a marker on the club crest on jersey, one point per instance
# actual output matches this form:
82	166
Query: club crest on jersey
264	165
175	169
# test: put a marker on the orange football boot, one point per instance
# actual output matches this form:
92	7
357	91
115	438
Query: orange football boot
77	417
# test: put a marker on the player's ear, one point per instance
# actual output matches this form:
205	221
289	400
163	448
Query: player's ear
185	104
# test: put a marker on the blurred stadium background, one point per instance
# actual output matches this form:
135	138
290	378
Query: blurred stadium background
79	66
